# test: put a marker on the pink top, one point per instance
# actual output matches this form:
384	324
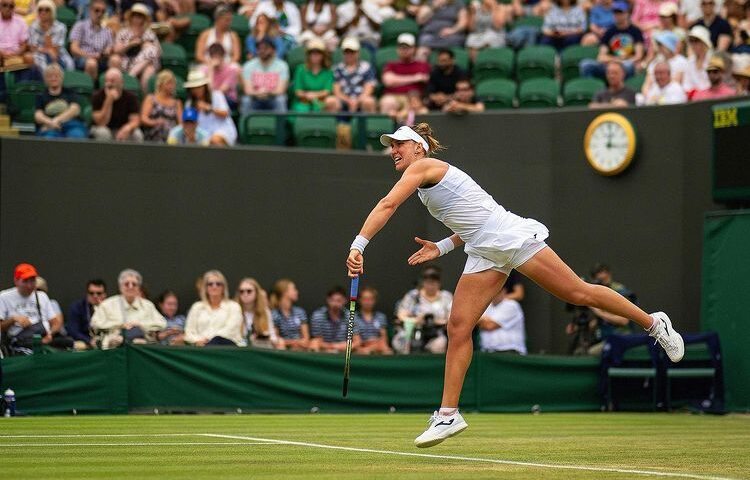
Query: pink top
227	75
646	14
722	90
13	33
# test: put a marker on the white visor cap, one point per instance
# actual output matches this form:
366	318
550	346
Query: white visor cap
404	133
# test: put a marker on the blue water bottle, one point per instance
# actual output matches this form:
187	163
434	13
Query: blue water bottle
10	403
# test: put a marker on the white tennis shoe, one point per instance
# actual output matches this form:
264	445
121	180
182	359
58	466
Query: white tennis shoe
667	337
441	427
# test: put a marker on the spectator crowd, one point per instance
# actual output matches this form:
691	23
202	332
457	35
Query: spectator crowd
31	319
401	59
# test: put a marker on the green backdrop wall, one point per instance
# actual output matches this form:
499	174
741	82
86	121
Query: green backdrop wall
726	298
82	209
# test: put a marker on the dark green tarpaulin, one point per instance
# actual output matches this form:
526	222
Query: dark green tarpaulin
224	379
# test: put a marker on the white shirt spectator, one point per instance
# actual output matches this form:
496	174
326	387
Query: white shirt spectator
13	303
290	25
678	64
695	77
692	9
511	335
671	94
204	322
115	311
363	30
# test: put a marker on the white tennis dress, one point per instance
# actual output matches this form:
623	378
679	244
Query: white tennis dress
495	238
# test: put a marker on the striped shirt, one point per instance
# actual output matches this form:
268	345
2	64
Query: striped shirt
332	331
290	328
565	20
91	38
371	330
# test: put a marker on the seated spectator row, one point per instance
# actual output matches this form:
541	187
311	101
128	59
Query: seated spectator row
30	319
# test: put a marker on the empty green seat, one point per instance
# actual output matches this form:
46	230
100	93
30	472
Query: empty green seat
497	93
241	25
295	57
538	93
460	56
390	30
174	57
78	82
580	91
67	16
315	132
374	126
494	63
571	57
259	129
198	23
383	56
534	62
636	81
22	100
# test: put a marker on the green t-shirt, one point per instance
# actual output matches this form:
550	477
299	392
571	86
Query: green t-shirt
306	81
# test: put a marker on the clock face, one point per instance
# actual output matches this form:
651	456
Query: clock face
610	143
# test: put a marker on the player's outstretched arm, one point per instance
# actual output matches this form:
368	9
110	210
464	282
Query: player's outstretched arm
431	250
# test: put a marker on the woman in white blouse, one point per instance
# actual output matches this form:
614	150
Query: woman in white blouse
215	319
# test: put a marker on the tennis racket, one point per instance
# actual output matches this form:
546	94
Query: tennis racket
350	332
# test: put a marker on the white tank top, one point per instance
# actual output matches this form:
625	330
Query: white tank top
460	203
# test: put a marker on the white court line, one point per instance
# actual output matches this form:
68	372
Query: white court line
95	435
474	459
130	444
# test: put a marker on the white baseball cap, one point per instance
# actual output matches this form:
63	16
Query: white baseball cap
350	43
404	133
406	39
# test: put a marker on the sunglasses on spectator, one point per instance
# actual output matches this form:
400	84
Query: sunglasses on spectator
214	284
348	50
97	10
96	294
44	9
129	284
247	290
707	3
8	5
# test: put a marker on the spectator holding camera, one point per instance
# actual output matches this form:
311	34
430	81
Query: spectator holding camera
592	325
426	309
168	304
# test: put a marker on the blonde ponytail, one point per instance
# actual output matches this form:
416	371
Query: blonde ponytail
425	131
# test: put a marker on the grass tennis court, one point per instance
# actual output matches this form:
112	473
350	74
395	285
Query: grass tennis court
511	446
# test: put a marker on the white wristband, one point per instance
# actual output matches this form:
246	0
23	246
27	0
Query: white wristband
359	243
445	245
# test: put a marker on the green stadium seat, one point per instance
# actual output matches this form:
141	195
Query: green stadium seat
315	132
174	57
375	126
636	81
22	100
461	57
198	23
180	91
534	62
571	56
364	54
383	56
529	21
497	93
494	63
580	91
259	129
538	93
67	16
295	57
241	25
78	82
390	30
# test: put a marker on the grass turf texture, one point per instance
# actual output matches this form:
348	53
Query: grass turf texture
670	443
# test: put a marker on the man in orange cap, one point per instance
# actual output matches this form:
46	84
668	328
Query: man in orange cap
25	312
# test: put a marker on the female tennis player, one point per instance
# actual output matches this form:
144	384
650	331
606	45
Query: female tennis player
496	241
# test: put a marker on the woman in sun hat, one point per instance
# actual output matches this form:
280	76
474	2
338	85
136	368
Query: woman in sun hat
214	114
496	242
137	49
